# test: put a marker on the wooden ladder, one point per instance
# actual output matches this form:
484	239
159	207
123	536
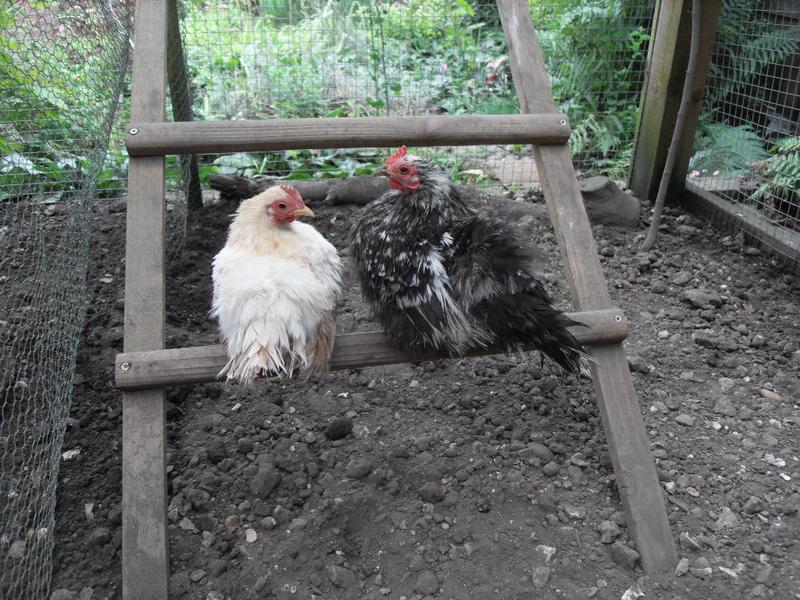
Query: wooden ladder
145	367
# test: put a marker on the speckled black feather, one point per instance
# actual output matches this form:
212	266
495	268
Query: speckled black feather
437	274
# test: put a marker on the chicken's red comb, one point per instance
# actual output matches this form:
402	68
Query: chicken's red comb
401	152
292	193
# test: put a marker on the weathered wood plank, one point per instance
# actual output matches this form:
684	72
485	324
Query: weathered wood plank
204	137
145	563
627	440
667	58
142	370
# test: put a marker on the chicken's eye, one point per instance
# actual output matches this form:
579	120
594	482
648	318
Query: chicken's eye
282	205
404	170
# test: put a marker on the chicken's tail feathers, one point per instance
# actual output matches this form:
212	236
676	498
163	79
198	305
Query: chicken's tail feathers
568	353
256	361
568	321
320	351
527	321
581	362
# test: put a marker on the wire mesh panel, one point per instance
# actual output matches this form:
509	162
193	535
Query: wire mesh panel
257	59
61	69
747	152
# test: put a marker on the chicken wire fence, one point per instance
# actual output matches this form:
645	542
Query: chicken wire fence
61	71
261	59
746	159
64	75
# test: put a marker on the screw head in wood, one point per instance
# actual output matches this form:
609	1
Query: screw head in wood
563	122
125	366
618	318
133	131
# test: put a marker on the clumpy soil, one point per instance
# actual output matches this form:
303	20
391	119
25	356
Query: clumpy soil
458	479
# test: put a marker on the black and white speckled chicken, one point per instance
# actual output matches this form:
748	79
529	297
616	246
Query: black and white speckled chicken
438	274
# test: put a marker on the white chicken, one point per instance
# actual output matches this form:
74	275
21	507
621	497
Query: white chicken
276	283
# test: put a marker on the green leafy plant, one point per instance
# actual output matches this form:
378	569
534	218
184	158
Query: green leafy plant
781	174
595	52
746	44
729	150
50	137
300	164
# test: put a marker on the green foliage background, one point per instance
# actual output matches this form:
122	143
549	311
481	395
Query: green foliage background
307	58
738	135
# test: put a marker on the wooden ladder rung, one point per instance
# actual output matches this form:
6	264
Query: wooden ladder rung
212	137
201	364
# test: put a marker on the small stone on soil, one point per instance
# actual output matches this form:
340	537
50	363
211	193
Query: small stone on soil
636	364
701	568
729	572
431	492
359	468
265	481
540	451
754	505
540	576
338	428
574	512
260	583
342	577
682	278
197	575
624	555
765	574
244	445
551	469
609	531
701	298
231	523
727	519
724	406
99	536
688	543
683	567
427	583
216	451
546	553
217	566
684	419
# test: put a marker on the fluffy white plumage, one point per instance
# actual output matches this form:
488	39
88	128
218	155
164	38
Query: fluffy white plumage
276	282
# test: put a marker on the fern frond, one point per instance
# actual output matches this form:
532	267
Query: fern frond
725	148
788	144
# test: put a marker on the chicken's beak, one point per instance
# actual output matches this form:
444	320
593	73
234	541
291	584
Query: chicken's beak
303	212
382	171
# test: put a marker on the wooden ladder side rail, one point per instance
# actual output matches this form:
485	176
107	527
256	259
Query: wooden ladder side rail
628	445
201	364
205	137
145	548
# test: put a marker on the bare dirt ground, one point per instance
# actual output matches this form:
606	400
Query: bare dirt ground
463	479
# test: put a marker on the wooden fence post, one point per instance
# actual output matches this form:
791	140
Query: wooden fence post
145	563
667	60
